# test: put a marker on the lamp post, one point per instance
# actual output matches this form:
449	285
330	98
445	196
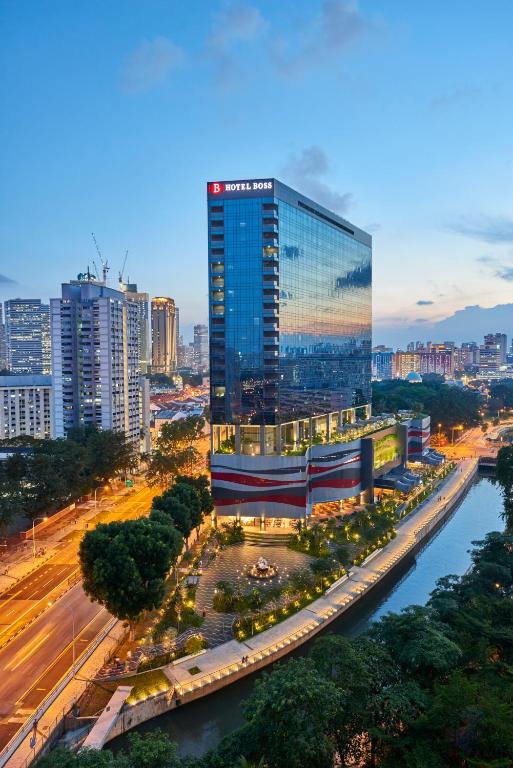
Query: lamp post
42	519
105	488
459	427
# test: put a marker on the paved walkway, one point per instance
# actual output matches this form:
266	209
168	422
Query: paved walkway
232	564
226	659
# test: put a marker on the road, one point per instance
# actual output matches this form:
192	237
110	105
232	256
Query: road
33	661
26	599
474	443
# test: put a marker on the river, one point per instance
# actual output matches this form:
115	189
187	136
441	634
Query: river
200	725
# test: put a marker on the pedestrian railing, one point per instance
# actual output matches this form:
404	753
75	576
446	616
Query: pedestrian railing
38	745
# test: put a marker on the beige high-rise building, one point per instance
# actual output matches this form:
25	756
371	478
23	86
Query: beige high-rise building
163	335
142	301
405	363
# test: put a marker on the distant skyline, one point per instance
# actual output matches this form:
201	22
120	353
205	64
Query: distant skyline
397	115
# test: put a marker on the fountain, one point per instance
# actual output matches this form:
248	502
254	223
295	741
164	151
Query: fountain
262	569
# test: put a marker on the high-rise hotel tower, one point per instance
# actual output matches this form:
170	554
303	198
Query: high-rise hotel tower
290	358
290	340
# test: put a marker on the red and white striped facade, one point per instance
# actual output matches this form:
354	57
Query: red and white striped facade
419	432
285	486
288	486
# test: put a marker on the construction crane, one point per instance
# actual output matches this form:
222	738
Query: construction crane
104	262
123	268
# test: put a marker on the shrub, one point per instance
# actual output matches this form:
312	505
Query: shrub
233	533
195	644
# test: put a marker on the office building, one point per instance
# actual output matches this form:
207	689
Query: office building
290	356
163	335
290	311
382	363
492	354
144	414
95	359
142	301
185	355
27	336
497	341
26	406
200	347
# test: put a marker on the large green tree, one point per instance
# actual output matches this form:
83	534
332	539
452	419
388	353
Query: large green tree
448	406
504	475
177	513
187	495
202	486
125	564
175	452
108	452
291	715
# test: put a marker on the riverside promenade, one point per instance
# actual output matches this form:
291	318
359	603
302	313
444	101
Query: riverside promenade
194	677
198	676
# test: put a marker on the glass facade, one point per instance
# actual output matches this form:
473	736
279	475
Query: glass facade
290	309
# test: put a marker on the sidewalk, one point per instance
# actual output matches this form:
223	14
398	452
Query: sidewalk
225	660
65	700
18	563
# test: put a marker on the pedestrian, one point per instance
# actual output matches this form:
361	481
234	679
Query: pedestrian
204	612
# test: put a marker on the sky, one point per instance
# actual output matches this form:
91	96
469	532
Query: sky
396	114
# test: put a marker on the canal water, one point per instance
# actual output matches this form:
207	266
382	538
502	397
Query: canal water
200	725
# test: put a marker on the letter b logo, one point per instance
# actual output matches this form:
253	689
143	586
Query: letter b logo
215	188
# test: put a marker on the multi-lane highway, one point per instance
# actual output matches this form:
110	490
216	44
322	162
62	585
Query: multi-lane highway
38	638
34	662
27	598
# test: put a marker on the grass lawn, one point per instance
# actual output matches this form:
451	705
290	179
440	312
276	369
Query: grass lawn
145	684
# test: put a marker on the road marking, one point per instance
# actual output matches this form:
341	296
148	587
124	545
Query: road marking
66	648
29	653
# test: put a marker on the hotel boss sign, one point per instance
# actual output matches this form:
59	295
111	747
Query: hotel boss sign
244	188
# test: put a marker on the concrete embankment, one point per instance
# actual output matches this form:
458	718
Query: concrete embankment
194	678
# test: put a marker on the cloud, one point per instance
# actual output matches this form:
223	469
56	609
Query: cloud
424	303
488	229
500	269
150	65
305	172
457	95
236	22
421	320
324	35
7	280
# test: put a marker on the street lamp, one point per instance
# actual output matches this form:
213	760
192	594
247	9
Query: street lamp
459	427
105	488
68	608
33	534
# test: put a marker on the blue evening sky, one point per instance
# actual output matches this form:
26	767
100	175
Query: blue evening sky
398	114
